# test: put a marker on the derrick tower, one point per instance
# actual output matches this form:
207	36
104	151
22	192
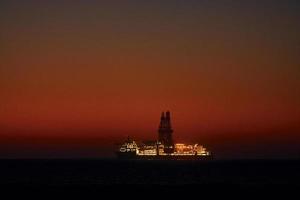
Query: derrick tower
165	132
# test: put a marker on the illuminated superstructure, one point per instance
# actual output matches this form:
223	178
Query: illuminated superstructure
164	147
129	146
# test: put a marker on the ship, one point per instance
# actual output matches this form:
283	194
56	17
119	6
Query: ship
163	148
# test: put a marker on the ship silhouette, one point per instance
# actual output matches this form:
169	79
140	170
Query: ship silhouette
164	147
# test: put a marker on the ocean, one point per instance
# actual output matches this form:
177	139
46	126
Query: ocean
99	172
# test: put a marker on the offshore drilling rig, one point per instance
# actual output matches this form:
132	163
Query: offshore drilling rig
164	147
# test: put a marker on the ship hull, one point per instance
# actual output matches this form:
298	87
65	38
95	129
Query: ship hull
129	156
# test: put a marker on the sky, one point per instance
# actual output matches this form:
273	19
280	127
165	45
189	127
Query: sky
78	77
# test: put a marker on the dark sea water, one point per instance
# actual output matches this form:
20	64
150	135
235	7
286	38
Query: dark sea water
89	172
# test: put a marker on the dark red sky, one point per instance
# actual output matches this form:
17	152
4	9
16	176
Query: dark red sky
78	76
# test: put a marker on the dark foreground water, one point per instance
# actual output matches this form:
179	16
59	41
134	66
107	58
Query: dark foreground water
108	172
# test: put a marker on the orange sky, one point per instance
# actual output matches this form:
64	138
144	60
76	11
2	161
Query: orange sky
104	70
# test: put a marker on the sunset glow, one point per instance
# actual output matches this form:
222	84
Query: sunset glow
78	77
